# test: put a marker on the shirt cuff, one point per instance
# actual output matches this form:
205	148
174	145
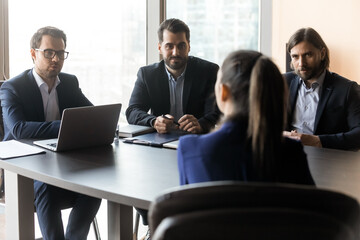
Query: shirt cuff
152	121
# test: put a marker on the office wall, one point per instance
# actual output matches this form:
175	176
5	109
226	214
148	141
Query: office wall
338	22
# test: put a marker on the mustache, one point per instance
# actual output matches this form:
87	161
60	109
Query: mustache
303	68
177	57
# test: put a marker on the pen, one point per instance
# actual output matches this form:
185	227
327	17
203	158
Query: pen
175	122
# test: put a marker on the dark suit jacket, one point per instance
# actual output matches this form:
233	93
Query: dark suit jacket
151	91
225	155
23	110
337	120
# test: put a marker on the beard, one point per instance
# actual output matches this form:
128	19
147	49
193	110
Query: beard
178	64
310	72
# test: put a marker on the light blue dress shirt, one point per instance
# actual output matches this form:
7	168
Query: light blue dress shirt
306	105
176	87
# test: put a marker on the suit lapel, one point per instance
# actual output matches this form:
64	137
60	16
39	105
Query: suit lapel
293	93
61	92
293	88
164	87
325	94
35	95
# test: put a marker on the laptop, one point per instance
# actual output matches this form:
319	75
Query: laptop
84	127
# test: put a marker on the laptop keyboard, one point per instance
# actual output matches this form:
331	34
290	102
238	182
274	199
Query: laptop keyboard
52	144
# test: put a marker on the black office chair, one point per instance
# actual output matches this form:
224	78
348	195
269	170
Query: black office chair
221	210
252	224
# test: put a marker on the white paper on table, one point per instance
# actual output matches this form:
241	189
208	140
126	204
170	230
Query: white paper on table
13	148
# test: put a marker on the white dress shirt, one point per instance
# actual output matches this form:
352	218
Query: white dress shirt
50	100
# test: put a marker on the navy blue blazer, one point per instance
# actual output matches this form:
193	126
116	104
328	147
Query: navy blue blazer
337	119
22	105
151	92
225	155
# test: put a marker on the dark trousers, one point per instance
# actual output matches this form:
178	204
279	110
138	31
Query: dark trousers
144	215
50	200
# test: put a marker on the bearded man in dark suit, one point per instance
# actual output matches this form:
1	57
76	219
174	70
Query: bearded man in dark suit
179	87
324	106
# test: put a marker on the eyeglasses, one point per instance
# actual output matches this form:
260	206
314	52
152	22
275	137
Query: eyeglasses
50	53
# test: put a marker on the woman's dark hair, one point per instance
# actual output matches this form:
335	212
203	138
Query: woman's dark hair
259	94
311	36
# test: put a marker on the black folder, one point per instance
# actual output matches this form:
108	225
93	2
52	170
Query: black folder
156	139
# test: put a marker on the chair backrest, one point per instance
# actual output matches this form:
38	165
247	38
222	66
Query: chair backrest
266	198
1	118
252	224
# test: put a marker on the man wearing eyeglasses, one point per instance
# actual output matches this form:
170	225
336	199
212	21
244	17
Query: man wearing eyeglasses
32	104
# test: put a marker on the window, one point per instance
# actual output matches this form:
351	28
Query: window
106	41
218	27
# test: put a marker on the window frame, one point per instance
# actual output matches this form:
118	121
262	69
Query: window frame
4	40
265	29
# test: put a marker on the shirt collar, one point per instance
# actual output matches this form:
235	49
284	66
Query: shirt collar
40	81
182	75
318	83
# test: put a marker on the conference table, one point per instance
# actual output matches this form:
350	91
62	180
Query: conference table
128	175
124	174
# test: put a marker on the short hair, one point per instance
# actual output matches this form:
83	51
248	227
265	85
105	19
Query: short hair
175	26
54	32
311	36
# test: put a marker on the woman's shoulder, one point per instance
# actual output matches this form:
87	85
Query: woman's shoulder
188	139
194	140
215	142
197	143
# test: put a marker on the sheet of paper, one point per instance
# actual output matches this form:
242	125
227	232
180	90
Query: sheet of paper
13	148
172	145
